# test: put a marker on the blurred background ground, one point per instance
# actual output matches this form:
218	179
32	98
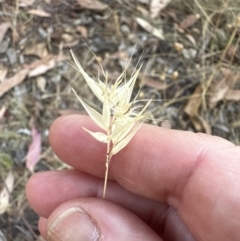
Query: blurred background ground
190	55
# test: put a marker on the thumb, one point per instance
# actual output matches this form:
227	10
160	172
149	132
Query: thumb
74	223
94	219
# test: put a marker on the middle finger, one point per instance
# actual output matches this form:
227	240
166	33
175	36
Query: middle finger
62	186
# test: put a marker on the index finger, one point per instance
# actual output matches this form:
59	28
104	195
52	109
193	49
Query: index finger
188	171
154	156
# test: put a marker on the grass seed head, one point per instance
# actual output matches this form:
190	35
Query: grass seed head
119	116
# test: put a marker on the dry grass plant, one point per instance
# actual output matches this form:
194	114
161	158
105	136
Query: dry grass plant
119	116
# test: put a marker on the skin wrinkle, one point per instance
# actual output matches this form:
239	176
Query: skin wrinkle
167	214
180	184
168	234
176	202
133	190
218	140
236	191
154	216
188	177
123	181
126	179
97	190
148	153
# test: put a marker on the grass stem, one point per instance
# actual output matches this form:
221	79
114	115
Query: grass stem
108	158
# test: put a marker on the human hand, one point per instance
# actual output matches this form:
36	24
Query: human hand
165	185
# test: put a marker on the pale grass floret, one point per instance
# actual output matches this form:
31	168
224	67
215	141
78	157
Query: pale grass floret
119	116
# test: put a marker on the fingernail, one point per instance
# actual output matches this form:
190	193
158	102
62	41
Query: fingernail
74	224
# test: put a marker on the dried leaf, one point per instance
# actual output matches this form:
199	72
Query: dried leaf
39	50
194	102
92	5
158	33
3	29
34	151
189	21
2	112
192	109
155	84
172	13
41	83
6	192
71	44
25	3
35	69
157	5
17	79
233	95
42	66
206	127
227	71
218	92
201	125
191	39
232	51
67	38
3	73
39	13
221	88
83	31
